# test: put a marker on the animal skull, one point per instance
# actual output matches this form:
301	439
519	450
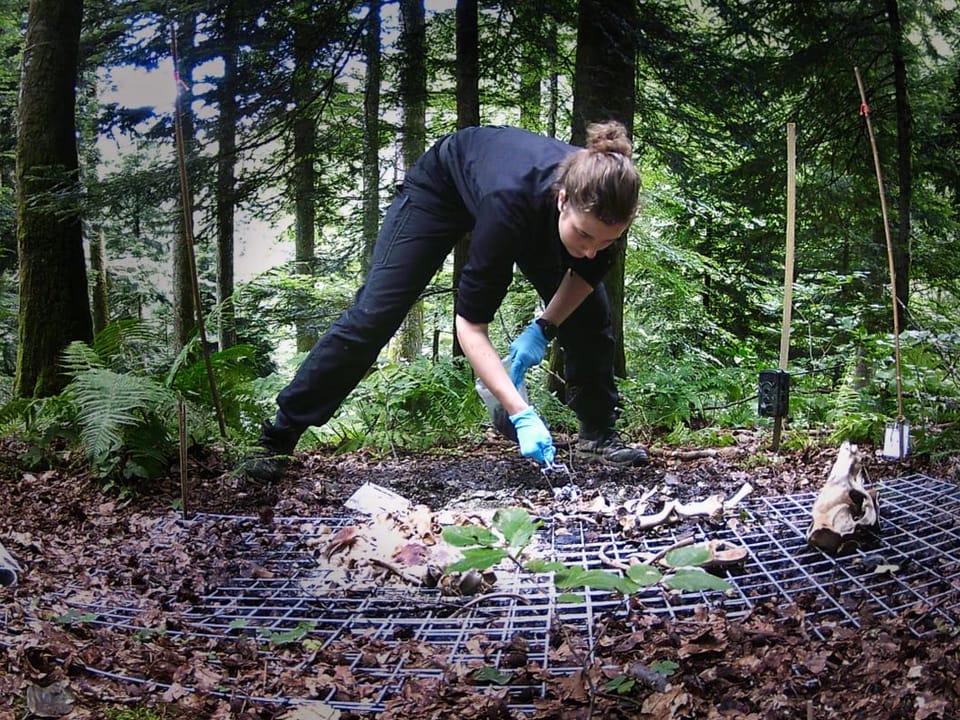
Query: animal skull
844	507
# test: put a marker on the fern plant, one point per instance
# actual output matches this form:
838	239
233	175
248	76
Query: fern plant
235	372
122	417
409	406
122	420
855	415
44	426
119	409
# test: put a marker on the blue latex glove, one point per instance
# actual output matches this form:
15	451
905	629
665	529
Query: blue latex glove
526	351
534	438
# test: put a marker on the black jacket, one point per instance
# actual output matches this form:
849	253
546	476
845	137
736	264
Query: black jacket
502	178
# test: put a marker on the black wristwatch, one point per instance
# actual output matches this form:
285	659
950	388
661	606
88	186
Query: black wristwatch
549	329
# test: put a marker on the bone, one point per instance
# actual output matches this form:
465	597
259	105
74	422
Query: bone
645	522
707	507
843	507
739	497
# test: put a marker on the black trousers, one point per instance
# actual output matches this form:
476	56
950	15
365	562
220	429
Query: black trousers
419	230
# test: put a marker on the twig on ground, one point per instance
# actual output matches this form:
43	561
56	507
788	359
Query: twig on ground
398	571
648	559
490	596
643	674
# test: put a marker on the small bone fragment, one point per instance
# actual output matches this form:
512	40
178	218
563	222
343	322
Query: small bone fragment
738	498
645	522
710	506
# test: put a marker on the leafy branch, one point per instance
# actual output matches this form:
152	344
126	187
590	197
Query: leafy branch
511	532
514	529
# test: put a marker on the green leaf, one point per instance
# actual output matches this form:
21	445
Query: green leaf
665	667
545	566
288	637
620	685
695	579
570	598
644	575
469	535
491	674
515	525
575	577
478	559
72	616
687	556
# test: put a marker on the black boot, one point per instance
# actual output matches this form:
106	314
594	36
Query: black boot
607	446
270	460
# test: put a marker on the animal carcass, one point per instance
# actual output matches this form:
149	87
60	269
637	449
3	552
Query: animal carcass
844	509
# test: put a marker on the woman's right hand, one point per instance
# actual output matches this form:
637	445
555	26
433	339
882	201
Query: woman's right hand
533	436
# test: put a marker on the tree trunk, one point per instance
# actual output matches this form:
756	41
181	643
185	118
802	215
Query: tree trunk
468	112
100	292
901	249
226	177
305	180
603	85
530	91
371	138
54	304
413	99
952	122
553	91
184	308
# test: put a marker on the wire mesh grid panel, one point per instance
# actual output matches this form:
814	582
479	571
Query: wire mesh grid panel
387	635
912	562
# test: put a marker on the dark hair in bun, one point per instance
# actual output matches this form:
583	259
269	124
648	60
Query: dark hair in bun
601	179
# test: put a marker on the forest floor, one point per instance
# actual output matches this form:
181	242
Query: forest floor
103	621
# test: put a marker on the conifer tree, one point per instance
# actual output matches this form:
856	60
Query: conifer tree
54	304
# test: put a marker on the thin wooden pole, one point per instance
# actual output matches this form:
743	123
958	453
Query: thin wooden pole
186	202
788	264
865	111
184	479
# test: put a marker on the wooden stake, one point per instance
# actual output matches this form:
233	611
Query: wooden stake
865	111
788	264
187	203
182	413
